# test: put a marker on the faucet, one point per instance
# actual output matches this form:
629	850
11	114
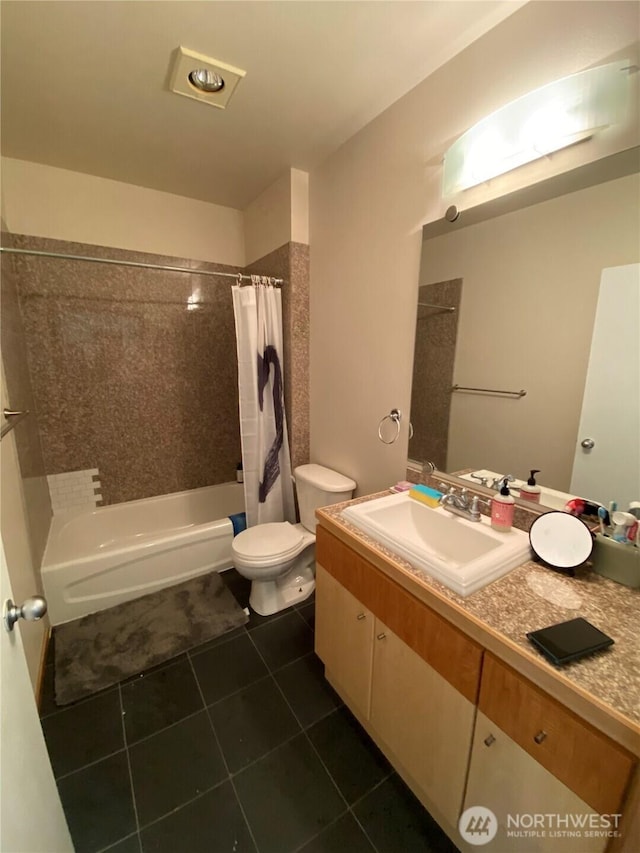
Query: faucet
484	481
459	503
497	481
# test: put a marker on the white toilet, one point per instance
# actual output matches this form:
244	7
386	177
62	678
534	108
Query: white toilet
279	557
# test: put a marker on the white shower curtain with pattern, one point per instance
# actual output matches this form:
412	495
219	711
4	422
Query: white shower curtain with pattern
268	487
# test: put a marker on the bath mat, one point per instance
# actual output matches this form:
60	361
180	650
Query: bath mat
102	649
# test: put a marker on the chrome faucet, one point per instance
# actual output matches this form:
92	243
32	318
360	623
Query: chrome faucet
460	503
498	481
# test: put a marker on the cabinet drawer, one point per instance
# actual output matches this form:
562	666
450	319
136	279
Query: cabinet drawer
438	642
586	761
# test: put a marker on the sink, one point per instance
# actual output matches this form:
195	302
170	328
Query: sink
463	555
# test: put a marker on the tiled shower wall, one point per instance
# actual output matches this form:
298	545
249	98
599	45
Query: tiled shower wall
291	262
134	371
433	363
20	398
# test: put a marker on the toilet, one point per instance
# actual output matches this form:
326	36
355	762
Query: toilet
279	557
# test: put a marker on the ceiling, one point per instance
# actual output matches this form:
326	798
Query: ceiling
85	84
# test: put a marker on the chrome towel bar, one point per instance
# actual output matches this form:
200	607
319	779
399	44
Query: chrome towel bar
13	419
521	393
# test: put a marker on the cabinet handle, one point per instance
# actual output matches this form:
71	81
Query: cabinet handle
361	616
381	636
540	736
489	740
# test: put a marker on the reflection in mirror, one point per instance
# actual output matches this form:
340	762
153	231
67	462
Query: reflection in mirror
530	278
433	356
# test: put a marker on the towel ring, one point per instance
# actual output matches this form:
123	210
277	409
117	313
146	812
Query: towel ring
394	415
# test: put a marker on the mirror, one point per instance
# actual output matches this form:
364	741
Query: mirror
503	358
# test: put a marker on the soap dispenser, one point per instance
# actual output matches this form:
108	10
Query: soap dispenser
502	506
531	491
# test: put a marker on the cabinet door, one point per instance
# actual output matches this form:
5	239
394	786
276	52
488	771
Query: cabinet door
582	758
344	641
423	720
535	811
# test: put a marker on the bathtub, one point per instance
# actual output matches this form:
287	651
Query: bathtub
100	557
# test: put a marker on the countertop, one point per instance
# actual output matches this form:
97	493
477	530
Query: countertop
603	688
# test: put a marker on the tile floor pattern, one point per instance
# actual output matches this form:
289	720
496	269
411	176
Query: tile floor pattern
239	745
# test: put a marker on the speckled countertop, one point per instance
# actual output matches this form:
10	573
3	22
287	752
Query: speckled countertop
500	615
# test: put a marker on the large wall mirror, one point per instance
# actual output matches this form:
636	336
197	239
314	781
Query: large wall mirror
507	304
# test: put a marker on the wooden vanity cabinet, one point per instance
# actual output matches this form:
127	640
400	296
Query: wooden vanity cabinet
532	756
458	739
581	757
409	676
503	777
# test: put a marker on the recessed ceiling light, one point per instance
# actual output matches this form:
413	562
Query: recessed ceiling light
206	81
202	78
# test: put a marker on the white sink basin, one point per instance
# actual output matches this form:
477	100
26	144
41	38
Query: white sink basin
463	555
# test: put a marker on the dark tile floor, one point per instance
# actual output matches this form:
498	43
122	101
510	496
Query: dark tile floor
238	745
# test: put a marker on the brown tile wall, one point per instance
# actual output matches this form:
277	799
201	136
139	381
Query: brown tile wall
130	381
291	262
20	397
433	362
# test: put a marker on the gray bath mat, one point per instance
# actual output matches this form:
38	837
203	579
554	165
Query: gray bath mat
102	649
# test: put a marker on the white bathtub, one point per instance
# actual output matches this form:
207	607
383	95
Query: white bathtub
97	558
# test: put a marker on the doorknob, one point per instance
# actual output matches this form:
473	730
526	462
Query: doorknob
587	443
32	610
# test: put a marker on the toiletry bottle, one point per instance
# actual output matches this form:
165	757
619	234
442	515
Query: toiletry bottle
502	509
531	491
239	473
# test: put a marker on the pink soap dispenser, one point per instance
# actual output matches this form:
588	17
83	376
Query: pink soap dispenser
502	506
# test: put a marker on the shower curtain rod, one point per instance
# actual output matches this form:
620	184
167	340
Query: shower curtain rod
239	277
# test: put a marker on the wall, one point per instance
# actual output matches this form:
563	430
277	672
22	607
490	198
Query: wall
277	238
278	216
171	372
291	262
19	397
134	371
44	201
369	201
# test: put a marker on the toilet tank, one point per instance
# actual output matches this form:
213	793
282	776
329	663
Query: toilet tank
318	486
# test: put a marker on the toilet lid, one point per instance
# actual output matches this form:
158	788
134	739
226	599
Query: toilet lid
275	540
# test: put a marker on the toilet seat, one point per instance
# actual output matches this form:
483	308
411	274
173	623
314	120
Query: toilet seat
265	544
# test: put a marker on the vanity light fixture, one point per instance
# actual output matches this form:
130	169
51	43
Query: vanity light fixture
203	79
555	116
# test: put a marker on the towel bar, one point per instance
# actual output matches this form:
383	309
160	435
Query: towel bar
521	393
13	419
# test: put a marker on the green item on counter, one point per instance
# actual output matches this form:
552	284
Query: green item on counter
617	561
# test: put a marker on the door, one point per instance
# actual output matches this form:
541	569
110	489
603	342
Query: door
610	469
535	812
423	720
14	527
31	815
344	641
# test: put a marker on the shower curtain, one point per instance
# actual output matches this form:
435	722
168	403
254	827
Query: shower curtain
268	487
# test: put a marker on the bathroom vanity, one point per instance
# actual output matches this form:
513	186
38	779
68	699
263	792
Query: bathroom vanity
464	708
